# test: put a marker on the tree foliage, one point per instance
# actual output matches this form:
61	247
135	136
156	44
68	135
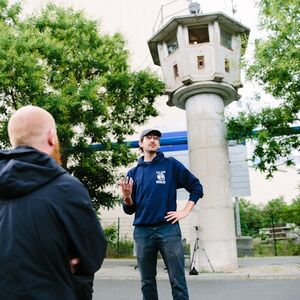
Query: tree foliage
59	60
251	218
275	211
257	216
293	212
276	68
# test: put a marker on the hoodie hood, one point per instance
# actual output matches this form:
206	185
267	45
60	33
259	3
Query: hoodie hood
158	158
25	169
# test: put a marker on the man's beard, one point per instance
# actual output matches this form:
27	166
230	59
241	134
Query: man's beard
56	153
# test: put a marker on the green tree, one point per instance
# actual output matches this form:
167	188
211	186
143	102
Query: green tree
251	218
293	212
276	209
276	68
60	61
254	217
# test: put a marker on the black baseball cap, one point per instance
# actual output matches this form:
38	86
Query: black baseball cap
149	132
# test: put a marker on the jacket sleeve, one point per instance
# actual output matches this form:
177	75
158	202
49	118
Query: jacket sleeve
130	210
186	180
82	227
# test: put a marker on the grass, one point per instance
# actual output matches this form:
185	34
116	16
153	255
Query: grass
283	248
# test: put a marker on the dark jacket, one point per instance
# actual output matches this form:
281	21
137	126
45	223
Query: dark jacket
154	188
46	218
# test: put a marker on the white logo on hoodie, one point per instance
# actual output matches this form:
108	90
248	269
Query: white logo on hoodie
160	177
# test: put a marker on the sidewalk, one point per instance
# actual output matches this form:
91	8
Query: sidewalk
280	267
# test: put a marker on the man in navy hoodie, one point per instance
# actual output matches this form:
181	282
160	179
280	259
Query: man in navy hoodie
51	241
149	192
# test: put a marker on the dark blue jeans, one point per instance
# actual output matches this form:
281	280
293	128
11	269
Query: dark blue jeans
166	239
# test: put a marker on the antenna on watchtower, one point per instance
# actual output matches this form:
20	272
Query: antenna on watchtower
194	7
233	8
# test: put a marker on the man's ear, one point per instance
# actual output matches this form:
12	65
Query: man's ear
141	143
51	137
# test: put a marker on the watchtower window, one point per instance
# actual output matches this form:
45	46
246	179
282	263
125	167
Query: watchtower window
226	39
175	71
198	35
200	62
227	65
172	44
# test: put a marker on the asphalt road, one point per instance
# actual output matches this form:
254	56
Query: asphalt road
262	289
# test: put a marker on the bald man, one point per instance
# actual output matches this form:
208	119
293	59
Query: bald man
51	242
35	127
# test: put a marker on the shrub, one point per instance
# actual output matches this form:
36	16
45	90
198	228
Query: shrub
121	249
111	234
115	247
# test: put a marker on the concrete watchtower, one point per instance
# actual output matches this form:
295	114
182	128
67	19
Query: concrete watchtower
200	60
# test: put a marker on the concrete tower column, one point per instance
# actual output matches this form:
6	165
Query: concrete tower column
209	161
